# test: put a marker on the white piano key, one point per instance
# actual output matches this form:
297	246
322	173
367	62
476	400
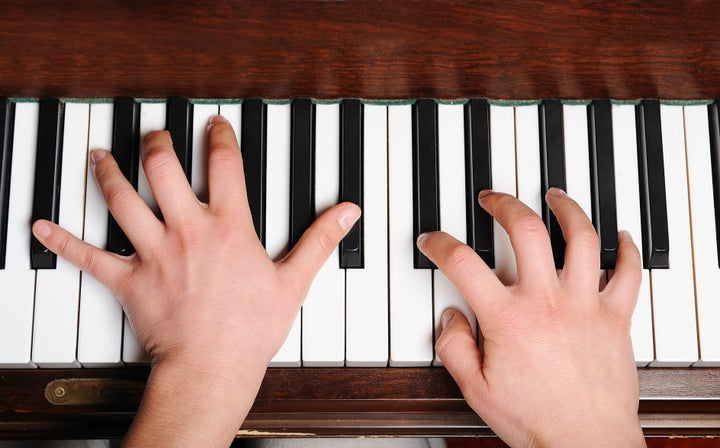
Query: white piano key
18	279
367	289
323	314
278	213
528	157
502	152
577	156
577	163
673	288
101	318
411	291
201	116
707	272
152	118
233	114
627	196
57	291
451	159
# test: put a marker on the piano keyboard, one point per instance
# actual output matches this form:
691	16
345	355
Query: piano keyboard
648	168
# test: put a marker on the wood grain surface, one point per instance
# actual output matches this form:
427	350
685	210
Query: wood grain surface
382	50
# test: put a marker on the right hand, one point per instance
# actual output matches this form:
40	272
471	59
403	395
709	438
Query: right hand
556	366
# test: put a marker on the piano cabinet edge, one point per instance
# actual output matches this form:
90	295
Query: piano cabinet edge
366	402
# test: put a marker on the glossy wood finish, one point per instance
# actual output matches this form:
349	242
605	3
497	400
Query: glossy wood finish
493	49
330	402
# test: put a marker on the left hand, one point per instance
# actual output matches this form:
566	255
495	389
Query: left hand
201	293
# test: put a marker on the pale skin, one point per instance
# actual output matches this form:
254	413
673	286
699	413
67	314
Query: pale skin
556	366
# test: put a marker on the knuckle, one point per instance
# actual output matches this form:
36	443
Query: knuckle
63	245
116	199
459	257
585	237
84	259
223	152
530	224
87	261
325	242
157	161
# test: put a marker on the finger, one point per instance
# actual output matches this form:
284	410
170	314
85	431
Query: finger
582	250
167	180
226	175
466	270
127	207
318	242
621	292
459	352
107	268
528	236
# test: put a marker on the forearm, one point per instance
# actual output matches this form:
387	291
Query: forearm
195	407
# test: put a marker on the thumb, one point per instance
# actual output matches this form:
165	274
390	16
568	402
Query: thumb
459	352
318	242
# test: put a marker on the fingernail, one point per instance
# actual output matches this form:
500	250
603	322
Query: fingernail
555	191
625	236
216	119
484	193
41	229
421	239
447	316
97	155
348	218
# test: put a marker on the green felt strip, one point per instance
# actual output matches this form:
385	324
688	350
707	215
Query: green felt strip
394	102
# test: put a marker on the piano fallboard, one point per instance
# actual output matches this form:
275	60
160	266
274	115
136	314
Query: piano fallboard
324	402
361	49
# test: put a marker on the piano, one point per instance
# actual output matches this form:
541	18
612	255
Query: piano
594	95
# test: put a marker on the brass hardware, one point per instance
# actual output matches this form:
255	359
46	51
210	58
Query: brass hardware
94	392
59	392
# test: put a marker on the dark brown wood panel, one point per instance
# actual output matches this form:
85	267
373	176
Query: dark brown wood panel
383	50
329	402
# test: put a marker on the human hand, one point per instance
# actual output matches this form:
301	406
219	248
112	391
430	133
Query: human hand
202	295
555	367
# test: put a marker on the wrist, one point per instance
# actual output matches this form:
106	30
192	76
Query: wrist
624	432
200	401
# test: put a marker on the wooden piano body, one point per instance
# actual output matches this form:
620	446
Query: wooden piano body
521	50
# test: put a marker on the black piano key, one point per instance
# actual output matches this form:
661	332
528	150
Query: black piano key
126	152
302	168
714	117
46	196
253	145
653	202
552	165
179	120
478	177
426	216
602	176
7	123
351	178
